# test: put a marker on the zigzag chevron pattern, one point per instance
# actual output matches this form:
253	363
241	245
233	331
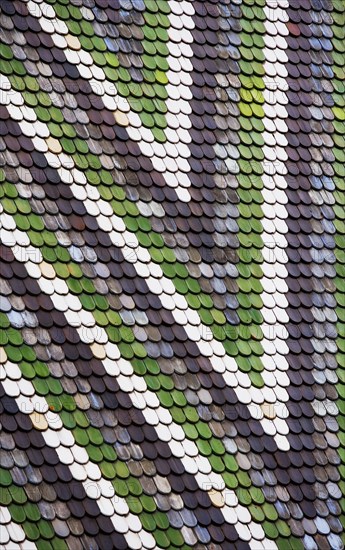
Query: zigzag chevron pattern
172	231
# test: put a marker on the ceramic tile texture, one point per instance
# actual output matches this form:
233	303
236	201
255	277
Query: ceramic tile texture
172	240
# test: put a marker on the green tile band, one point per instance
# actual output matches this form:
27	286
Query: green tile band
161	254
146	96
27	514
74	419
139	46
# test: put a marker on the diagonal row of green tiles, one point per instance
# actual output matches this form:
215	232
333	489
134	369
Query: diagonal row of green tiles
28	515
146	94
242	341
339	287
73	418
237	340
182	412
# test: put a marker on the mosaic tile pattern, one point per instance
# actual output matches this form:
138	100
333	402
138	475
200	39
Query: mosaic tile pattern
172	231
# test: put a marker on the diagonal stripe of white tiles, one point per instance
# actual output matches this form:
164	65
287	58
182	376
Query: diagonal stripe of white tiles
12	536
145	267
83	322
109	222
135	386
176	104
275	213
170	158
74	456
178	137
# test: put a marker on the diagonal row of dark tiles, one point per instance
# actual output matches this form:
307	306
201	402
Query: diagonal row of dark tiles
49	482
200	365
304	278
191	348
175	338
104	244
91	371
206	198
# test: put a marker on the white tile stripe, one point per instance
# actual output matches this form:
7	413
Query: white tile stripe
74	456
274	226
66	162
155	279
12	534
84	323
84	62
180	107
178	89
135	386
73	57
175	167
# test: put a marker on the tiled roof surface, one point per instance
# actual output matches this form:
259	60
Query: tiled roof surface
172	370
